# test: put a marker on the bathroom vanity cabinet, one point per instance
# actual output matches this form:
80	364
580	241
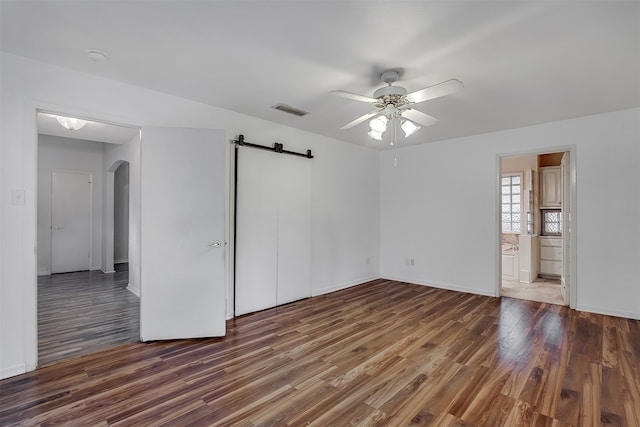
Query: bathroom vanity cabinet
550	256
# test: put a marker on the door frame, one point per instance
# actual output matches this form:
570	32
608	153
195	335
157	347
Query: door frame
108	243
90	214
30	150
569	228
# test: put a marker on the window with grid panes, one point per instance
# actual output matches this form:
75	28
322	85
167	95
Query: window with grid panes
511	203
552	222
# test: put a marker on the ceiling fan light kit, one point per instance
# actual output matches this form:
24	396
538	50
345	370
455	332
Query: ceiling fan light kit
379	124
394	105
375	135
409	128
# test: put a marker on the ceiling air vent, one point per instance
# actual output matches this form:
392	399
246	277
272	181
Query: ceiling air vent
291	110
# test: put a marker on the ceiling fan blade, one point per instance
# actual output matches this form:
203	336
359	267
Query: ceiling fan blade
353	96
419	117
435	91
360	120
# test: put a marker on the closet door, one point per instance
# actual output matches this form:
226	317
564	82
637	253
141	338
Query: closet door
256	260
273	230
294	230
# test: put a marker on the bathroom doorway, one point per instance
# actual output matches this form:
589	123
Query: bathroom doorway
534	202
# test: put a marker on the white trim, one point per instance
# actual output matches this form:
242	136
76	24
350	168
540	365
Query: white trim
54	110
30	151
134	291
121	261
572	185
609	312
440	285
44	273
106	272
572	224
344	285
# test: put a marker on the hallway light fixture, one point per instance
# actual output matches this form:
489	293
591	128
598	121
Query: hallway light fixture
71	123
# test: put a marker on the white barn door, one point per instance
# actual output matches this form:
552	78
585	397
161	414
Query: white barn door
273	230
182	233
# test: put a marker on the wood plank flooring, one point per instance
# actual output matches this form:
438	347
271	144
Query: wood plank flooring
83	312
383	353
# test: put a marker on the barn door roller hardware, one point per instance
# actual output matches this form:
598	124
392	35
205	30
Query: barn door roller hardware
277	147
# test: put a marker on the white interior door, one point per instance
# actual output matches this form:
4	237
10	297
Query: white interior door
566	209
70	221
273	230
182	233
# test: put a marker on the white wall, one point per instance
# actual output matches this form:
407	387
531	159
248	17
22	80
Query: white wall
114	156
68	154
121	214
344	191
443	213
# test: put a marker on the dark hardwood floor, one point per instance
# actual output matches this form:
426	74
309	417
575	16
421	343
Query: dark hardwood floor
382	353
83	312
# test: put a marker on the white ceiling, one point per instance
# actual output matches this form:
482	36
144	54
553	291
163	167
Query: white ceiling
521	63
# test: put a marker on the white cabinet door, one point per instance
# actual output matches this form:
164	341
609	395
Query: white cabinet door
182	233
510	267
550	255
551	187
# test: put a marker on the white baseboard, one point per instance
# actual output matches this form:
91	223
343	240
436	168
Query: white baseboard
344	285
107	272
12	371
121	261
439	285
134	291
609	312
44	273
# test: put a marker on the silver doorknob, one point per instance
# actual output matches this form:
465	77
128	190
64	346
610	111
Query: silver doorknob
215	244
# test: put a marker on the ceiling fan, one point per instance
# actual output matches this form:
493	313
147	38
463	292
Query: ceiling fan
395	106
